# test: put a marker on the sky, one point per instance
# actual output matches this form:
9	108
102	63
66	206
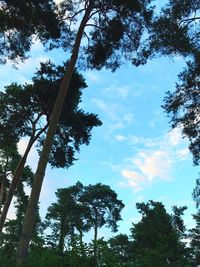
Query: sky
134	151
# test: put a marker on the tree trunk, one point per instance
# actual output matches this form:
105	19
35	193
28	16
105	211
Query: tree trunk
2	191
2	188
13	185
95	235
39	176
81	242
18	173
61	240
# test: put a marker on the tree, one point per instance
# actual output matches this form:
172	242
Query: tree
25	111
175	31
155	240
182	105
68	215
104	206
120	246
194	233
9	238
9	160
23	21
123	24
115	31
80	208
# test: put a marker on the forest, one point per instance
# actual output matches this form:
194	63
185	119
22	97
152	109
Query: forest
49	111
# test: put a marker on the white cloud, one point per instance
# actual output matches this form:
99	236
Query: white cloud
182	153
92	76
116	116
133	179
175	136
107	108
120	137
119	91
153	164
153	160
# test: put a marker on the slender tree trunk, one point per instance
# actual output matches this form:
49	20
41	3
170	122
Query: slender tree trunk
40	173
18	172
2	191
95	239
2	188
61	240
13	185
81	242
95	236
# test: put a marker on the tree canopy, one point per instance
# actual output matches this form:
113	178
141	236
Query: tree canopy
23	21
98	34
155	240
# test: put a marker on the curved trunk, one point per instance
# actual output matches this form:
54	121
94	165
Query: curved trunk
39	176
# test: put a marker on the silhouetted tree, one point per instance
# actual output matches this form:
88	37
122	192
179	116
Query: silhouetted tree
23	21
25	111
115	30
155	240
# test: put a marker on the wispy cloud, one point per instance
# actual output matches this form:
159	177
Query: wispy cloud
114	116
119	91
120	137
153	164
133	179
153	160
92	76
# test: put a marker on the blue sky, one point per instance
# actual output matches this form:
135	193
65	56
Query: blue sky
134	151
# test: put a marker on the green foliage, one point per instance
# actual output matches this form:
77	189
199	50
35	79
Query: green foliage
21	21
155	241
174	31
67	215
121	248
182	105
80	208
25	111
194	233
105	207
114	33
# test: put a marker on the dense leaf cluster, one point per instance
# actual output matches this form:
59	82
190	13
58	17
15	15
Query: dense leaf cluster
25	111
158	239
21	21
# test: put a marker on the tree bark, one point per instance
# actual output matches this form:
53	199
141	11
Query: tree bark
2	191
2	187
13	185
40	173
61	240
18	172
95	236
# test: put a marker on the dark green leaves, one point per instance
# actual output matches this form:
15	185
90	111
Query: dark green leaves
25	111
20	21
183	106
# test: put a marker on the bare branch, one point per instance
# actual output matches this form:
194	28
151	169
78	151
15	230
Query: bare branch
73	16
88	38
40	132
189	20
